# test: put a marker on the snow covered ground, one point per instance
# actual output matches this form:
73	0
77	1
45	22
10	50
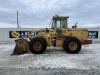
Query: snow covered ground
55	61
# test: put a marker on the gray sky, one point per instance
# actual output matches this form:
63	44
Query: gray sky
38	13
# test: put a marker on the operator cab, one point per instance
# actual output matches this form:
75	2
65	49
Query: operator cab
59	22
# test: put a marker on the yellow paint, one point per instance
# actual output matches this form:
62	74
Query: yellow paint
62	33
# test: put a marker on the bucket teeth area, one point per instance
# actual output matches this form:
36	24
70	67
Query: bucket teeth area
21	47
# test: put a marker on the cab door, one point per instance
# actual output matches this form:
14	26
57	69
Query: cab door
60	27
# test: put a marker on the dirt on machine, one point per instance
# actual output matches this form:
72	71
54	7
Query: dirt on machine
59	35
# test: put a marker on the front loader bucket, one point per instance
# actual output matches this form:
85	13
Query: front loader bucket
21	47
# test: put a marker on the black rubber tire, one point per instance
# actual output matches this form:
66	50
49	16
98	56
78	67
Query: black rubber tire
72	39
42	41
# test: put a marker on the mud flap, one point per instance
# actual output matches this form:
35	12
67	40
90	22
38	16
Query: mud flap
21	47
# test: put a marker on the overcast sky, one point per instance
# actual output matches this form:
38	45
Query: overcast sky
38	13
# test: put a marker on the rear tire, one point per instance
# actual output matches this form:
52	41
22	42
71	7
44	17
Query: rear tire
37	45
72	45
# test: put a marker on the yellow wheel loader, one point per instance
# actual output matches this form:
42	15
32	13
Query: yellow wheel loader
59	35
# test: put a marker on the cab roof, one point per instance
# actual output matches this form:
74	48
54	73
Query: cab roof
57	16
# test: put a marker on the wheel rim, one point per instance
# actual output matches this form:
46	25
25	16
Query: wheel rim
37	46
72	46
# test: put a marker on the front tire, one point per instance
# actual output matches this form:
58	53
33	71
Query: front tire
72	45
37	45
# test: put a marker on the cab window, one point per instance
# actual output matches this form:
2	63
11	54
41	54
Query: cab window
64	23
59	23
53	24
